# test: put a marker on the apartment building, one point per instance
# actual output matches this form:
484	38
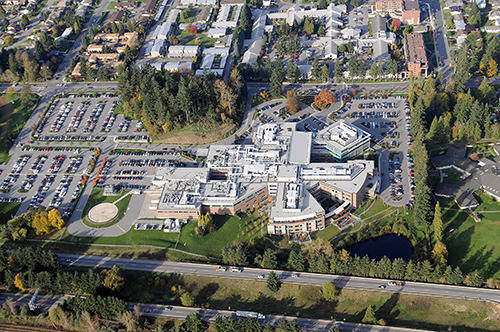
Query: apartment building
416	58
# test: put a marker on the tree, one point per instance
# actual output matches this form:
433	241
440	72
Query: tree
128	320
328	291
18	282
324	98
392	67
487	92
269	259
492	68
41	223
338	70
296	261
440	253
474	17
25	20
113	279
235	254
205	224
55	219
27	98
369	317
325	73
292	102
357	66
293	72
273	282
437	224
187	299
8	40
193	323
318	247
375	70
309	26
277	78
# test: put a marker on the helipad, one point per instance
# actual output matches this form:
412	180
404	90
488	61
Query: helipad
103	212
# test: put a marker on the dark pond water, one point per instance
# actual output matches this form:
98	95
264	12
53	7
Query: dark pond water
390	245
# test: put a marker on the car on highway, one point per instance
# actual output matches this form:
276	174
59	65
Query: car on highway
260	276
236	269
382	286
220	268
395	283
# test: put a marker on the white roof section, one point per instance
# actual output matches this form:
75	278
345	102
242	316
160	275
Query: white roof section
300	148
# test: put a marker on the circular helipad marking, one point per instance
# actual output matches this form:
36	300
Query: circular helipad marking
103	212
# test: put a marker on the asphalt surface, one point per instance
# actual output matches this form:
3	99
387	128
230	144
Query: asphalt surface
46	302
303	278
166	311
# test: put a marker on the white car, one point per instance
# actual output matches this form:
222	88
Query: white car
260	276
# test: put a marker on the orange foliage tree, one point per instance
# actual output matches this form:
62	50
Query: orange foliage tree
324	98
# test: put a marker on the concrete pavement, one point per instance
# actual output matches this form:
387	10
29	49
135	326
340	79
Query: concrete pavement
176	312
304	278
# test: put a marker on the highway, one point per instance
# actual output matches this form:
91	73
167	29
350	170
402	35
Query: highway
303	278
166	311
46	302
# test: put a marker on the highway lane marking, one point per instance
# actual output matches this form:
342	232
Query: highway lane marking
121	228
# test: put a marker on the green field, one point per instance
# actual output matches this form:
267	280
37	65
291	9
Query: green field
229	229
187	38
13	116
474	245
97	197
112	5
7	211
396	309
326	234
452	176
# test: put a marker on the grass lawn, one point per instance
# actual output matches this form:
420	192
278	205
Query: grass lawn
200	133
230	229
112	5
7	211
452	176
187	38
97	197
327	233
305	301
13	116
474	245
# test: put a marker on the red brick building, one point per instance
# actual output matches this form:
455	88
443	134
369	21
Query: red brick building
416	59
406	10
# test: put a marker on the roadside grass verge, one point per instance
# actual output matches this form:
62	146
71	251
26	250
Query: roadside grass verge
229	229
408	310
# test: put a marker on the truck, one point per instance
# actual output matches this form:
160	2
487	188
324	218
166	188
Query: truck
250	314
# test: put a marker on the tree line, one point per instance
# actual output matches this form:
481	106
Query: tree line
166	101
39	221
319	256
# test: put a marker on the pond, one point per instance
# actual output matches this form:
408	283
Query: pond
390	245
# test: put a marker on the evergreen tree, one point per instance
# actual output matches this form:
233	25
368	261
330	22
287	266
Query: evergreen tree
437	224
316	70
296	261
325	73
269	259
273	282
369	317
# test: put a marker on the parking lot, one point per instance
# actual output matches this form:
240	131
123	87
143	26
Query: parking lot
48	177
388	120
85	118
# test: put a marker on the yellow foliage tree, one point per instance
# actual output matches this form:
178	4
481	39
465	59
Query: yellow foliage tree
40	223
492	68
344	255
18	282
55	219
